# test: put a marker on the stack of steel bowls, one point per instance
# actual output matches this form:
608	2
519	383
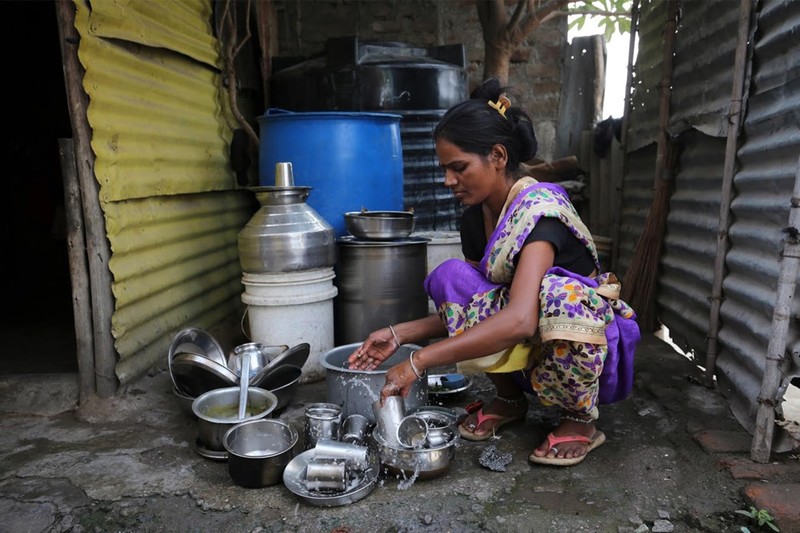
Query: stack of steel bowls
197	365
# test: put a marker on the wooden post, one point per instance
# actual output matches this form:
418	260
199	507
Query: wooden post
761	446
78	271
97	246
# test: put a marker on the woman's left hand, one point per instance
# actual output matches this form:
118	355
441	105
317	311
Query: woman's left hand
379	346
399	380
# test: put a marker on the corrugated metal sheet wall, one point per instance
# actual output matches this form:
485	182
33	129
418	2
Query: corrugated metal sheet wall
767	159
161	138
686	274
763	184
643	125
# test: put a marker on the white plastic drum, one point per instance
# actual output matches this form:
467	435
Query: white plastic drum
291	308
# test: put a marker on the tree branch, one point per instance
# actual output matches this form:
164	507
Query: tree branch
492	15
527	5
229	49
546	10
625	14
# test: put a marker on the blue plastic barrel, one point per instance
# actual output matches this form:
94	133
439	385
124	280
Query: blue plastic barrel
351	160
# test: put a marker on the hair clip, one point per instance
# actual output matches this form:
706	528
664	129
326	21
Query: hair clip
501	105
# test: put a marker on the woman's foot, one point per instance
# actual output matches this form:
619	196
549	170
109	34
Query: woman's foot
484	423
574	437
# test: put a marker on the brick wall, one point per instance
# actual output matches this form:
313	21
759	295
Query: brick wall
303	26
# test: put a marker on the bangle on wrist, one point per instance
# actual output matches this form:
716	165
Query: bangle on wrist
396	340
417	373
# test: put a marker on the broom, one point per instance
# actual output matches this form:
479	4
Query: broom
639	289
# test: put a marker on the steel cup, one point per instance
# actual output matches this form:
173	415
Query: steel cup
323	421
355	429
412	432
389	417
353	455
326	475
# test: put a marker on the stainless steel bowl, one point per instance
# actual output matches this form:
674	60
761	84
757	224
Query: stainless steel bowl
379	225
260	356
217	411
425	463
440	426
258	451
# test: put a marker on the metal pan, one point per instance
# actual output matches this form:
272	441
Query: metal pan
198	342
195	374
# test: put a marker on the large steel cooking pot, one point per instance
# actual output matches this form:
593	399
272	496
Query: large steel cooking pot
356	390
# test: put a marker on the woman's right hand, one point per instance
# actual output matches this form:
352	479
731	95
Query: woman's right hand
379	346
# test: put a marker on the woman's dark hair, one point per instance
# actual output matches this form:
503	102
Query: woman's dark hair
475	126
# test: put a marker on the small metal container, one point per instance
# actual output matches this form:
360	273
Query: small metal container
440	427
412	432
326	475
323	421
355	429
258	451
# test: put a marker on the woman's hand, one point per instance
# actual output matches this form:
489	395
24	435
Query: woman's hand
379	346
399	380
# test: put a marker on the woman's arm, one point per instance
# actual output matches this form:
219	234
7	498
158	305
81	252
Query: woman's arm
511	325
381	344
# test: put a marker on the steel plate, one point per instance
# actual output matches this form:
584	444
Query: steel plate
294	478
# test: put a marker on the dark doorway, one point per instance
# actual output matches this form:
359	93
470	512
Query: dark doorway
38	335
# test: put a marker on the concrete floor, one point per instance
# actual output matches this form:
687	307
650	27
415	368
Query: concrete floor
674	461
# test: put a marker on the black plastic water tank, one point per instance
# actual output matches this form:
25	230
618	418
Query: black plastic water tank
418	83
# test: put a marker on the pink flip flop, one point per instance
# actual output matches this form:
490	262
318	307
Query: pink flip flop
483	417
598	439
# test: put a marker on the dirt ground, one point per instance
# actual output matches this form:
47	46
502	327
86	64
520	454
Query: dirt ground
129	464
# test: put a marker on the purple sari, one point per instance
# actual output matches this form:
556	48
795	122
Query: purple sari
587	334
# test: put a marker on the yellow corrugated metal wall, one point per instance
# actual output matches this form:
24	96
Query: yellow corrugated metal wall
160	137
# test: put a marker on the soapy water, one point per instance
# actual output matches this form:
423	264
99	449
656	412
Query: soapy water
407	483
355	383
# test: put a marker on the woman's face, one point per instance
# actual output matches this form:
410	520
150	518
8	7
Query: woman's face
471	177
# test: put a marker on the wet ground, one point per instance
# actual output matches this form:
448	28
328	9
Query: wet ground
130	464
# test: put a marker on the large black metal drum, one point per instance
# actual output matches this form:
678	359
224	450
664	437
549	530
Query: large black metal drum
379	283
